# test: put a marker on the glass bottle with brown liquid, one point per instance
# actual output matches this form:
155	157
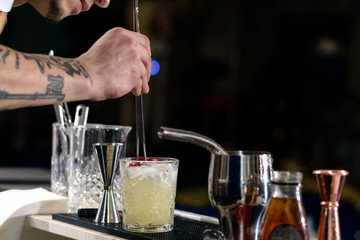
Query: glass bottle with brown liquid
285	217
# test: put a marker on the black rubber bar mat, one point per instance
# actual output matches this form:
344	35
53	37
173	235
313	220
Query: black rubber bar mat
184	228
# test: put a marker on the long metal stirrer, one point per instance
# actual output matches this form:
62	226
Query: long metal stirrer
139	99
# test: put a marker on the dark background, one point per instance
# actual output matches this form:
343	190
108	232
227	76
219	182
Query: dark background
281	76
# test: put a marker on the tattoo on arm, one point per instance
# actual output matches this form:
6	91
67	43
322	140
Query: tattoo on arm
17	63
53	91
55	85
70	66
5	55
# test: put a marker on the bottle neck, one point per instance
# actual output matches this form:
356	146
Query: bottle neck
281	190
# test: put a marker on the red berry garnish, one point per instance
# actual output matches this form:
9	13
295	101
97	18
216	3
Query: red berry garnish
135	164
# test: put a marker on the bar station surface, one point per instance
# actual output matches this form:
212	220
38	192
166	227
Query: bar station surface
70	226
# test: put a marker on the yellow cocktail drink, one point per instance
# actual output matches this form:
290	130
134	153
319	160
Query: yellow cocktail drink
148	194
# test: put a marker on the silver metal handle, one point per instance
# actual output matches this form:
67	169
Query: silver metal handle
63	115
81	115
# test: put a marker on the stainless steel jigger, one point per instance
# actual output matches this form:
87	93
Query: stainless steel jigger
108	158
330	184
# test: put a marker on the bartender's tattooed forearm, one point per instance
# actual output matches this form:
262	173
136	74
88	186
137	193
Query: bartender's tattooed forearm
55	83
17	63
53	91
69	66
5	55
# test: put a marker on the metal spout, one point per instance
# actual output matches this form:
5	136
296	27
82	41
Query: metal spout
191	137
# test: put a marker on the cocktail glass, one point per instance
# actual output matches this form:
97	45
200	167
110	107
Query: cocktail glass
148	193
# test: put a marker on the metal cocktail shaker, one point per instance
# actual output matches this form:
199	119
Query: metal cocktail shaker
239	190
238	184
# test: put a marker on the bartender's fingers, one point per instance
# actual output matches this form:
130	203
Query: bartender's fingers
142	85
145	86
137	89
146	76
147	64
144	41
145	68
144	49
3	20
102	3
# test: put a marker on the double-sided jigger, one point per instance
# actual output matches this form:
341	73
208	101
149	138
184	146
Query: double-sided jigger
330	184
108	158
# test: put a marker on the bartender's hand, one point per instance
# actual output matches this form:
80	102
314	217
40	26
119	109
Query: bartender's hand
118	63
